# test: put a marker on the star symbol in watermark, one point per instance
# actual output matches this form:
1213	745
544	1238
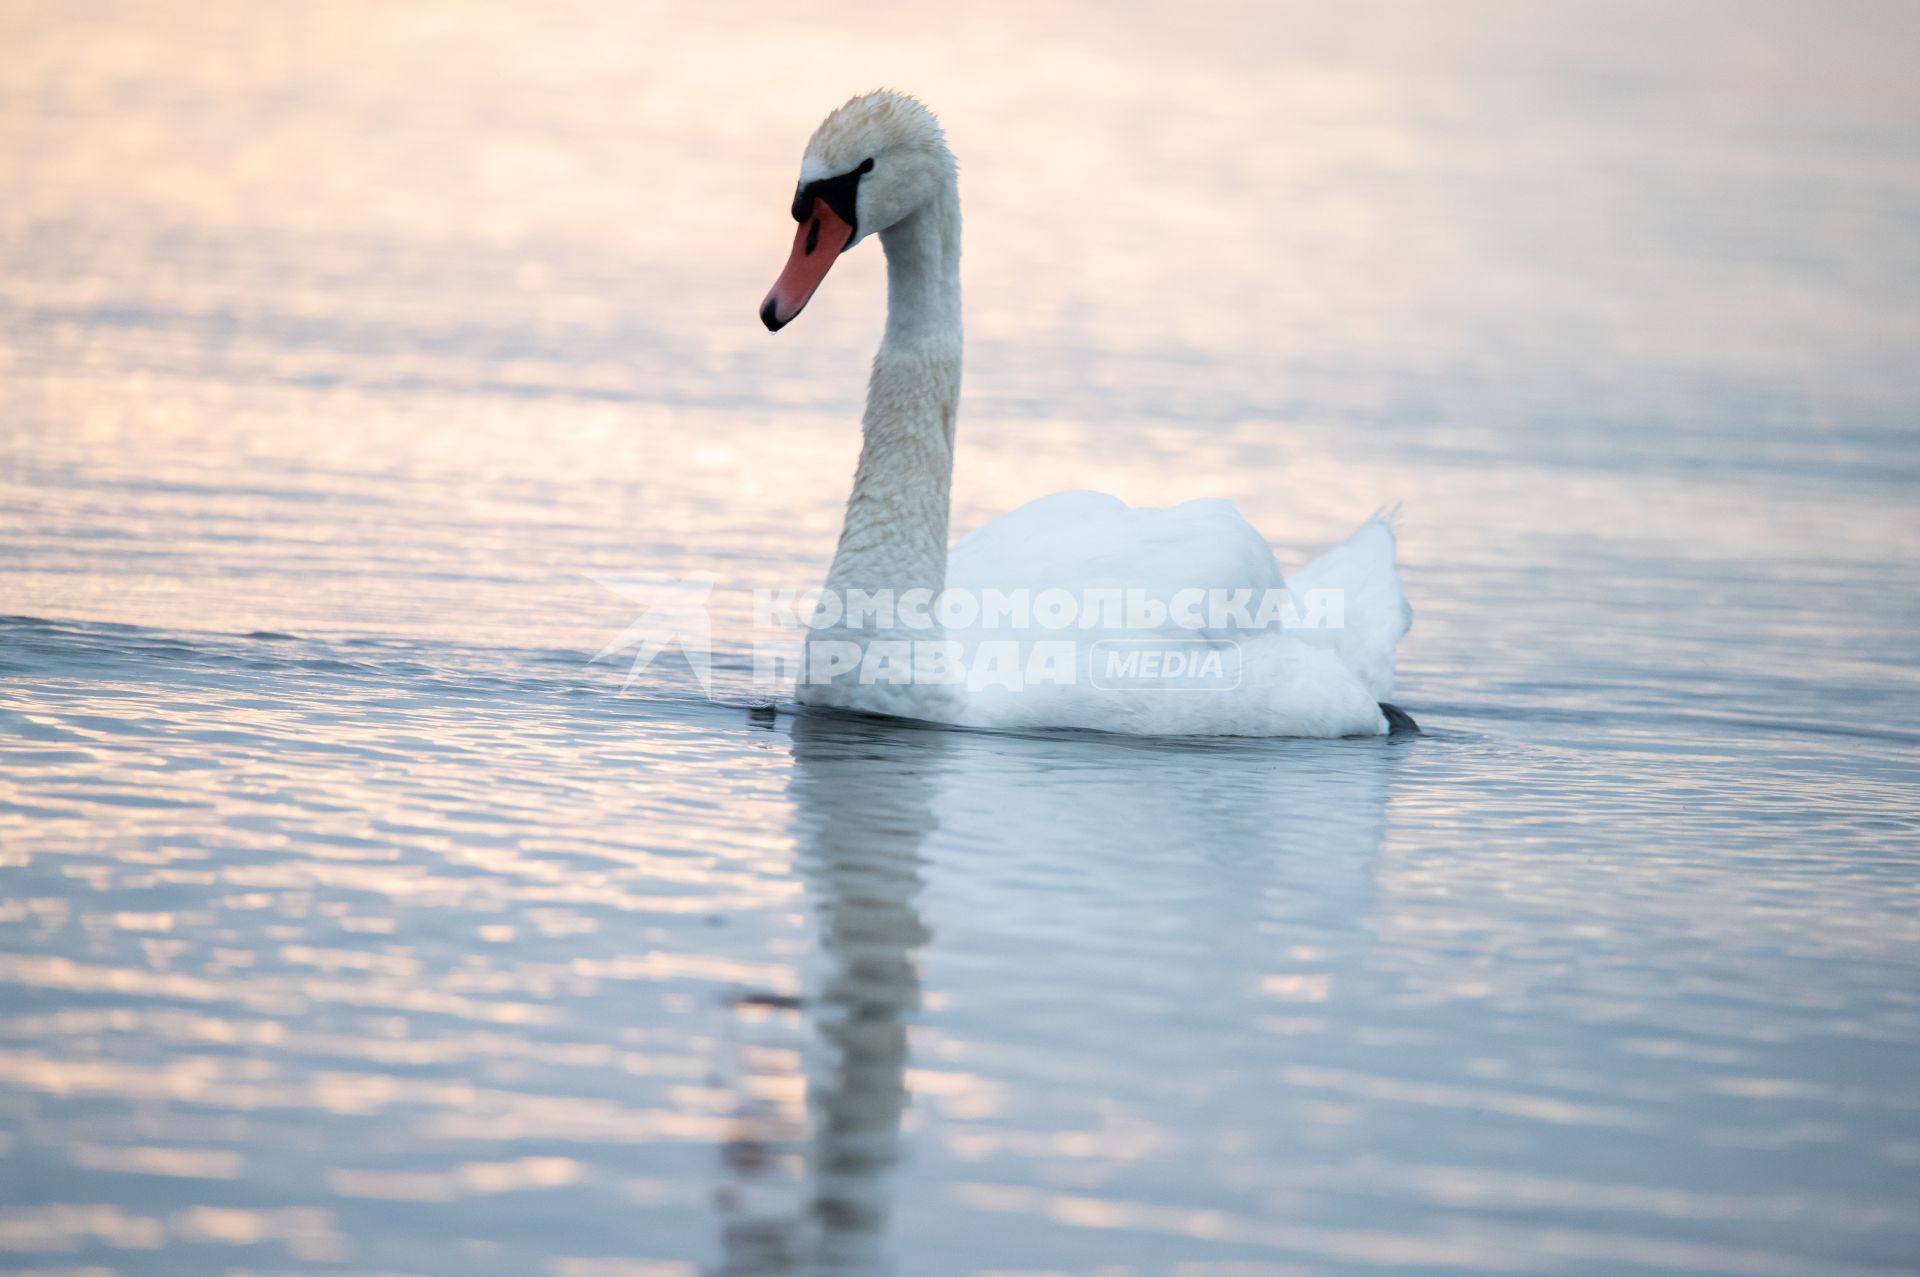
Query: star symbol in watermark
673	609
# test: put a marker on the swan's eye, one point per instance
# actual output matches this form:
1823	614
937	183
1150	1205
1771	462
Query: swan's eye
837	193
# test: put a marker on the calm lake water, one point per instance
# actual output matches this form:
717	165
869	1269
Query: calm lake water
351	921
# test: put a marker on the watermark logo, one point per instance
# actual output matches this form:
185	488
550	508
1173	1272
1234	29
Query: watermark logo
673	613
1163	665
1113	639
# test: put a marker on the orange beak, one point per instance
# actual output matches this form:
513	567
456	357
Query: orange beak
817	241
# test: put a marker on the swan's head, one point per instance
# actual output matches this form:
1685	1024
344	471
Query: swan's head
874	162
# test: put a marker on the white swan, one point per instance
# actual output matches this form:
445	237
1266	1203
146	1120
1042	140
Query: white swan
880	165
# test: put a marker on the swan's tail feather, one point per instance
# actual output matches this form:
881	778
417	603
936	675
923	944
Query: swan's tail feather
1359	575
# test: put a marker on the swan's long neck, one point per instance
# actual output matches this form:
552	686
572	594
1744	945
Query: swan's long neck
895	534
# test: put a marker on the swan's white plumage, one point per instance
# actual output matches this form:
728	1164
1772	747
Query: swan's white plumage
1301	681
1292	681
1082	538
1376	612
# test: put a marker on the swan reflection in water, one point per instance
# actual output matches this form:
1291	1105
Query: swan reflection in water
1241	847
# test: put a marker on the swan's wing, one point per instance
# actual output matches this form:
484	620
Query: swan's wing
1089	540
1302	682
1357	585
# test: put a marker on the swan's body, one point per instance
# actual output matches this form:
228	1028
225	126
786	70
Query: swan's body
880	163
